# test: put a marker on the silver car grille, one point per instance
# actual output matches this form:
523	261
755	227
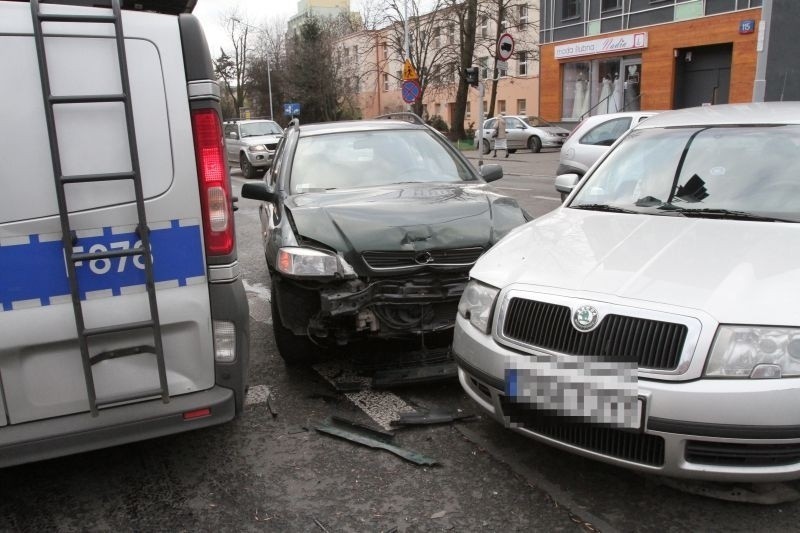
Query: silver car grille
653	344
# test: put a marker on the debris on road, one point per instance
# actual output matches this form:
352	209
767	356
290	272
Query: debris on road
372	438
435	416
440	514
319	525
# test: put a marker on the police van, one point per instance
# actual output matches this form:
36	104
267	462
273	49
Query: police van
122	310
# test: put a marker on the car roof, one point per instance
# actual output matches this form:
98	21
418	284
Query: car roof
357	125
728	114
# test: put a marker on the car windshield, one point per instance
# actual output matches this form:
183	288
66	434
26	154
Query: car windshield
254	129
537	122
747	172
370	158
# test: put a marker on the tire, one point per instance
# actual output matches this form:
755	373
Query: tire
512	150
535	144
248	171
485	147
295	350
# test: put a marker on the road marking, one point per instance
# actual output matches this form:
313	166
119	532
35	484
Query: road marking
381	406
548	198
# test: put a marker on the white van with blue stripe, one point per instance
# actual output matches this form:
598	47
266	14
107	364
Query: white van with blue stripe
122	310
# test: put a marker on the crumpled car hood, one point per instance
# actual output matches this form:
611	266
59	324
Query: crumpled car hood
738	272
413	217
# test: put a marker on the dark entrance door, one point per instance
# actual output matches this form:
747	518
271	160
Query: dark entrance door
703	75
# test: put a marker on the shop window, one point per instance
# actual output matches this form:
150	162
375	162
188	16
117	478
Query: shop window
576	90
570	9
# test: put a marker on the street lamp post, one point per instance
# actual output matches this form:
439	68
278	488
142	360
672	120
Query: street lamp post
269	75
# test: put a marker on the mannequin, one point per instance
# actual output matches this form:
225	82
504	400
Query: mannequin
605	93
580	96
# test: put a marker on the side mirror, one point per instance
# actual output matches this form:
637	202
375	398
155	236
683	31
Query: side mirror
233	135
491	173
259	191
565	183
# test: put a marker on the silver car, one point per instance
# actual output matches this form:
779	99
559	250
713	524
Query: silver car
651	321
251	144
593	137
523	132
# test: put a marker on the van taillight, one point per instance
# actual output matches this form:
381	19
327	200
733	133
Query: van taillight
215	193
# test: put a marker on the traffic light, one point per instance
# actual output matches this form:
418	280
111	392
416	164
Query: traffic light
471	75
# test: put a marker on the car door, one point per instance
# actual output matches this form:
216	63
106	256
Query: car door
515	132
595	142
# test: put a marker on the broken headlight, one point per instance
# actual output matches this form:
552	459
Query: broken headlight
755	352
477	304
307	262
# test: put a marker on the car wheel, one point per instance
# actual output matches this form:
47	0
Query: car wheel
512	150
535	144
486	148
295	350
248	171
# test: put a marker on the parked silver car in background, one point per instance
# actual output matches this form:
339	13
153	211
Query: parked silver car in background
523	132
592	138
251	144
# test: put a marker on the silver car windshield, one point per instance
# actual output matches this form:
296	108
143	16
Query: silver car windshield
747	172
255	129
373	158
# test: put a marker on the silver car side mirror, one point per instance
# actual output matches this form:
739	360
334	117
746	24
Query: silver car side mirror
565	183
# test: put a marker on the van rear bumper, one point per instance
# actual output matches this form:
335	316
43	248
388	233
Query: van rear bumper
66	435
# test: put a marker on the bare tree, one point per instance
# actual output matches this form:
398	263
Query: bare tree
267	71
467	15
231	66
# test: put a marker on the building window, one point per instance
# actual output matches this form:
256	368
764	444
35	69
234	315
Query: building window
484	26
385	81
451	34
523	15
399	76
569	9
501	106
608	5
385	50
522	108
437	41
522	63
483	64
502	71
468	111
356	84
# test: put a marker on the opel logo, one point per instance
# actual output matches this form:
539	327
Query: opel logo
584	318
424	258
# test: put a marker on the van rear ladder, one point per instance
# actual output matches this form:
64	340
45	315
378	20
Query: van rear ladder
69	236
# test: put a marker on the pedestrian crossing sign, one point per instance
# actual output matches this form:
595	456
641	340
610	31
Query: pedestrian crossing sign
409	73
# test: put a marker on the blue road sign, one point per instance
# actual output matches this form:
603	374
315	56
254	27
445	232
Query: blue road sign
291	109
410	91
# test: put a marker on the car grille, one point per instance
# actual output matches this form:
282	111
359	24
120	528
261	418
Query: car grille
405	259
650	343
621	444
733	454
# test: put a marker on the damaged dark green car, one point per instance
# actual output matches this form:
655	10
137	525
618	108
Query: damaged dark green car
370	229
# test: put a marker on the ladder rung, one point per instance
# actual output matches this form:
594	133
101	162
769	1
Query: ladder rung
88	98
118	328
55	17
110	254
98	177
146	395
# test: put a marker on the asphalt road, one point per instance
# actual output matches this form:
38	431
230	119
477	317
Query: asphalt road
269	470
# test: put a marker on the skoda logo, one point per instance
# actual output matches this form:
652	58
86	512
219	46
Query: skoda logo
424	258
584	318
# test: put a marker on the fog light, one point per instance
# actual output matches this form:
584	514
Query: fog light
224	341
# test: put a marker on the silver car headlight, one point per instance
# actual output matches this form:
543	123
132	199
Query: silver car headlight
477	305
755	352
258	148
307	262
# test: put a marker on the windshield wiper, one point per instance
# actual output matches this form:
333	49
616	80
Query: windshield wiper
728	214
603	207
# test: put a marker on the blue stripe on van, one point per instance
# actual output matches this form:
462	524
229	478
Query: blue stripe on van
37	270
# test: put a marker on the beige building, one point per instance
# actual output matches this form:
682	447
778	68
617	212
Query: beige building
317	8
374	67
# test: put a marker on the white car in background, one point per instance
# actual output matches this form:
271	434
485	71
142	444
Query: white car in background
531	133
592	138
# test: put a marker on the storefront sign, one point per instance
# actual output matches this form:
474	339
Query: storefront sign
618	43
